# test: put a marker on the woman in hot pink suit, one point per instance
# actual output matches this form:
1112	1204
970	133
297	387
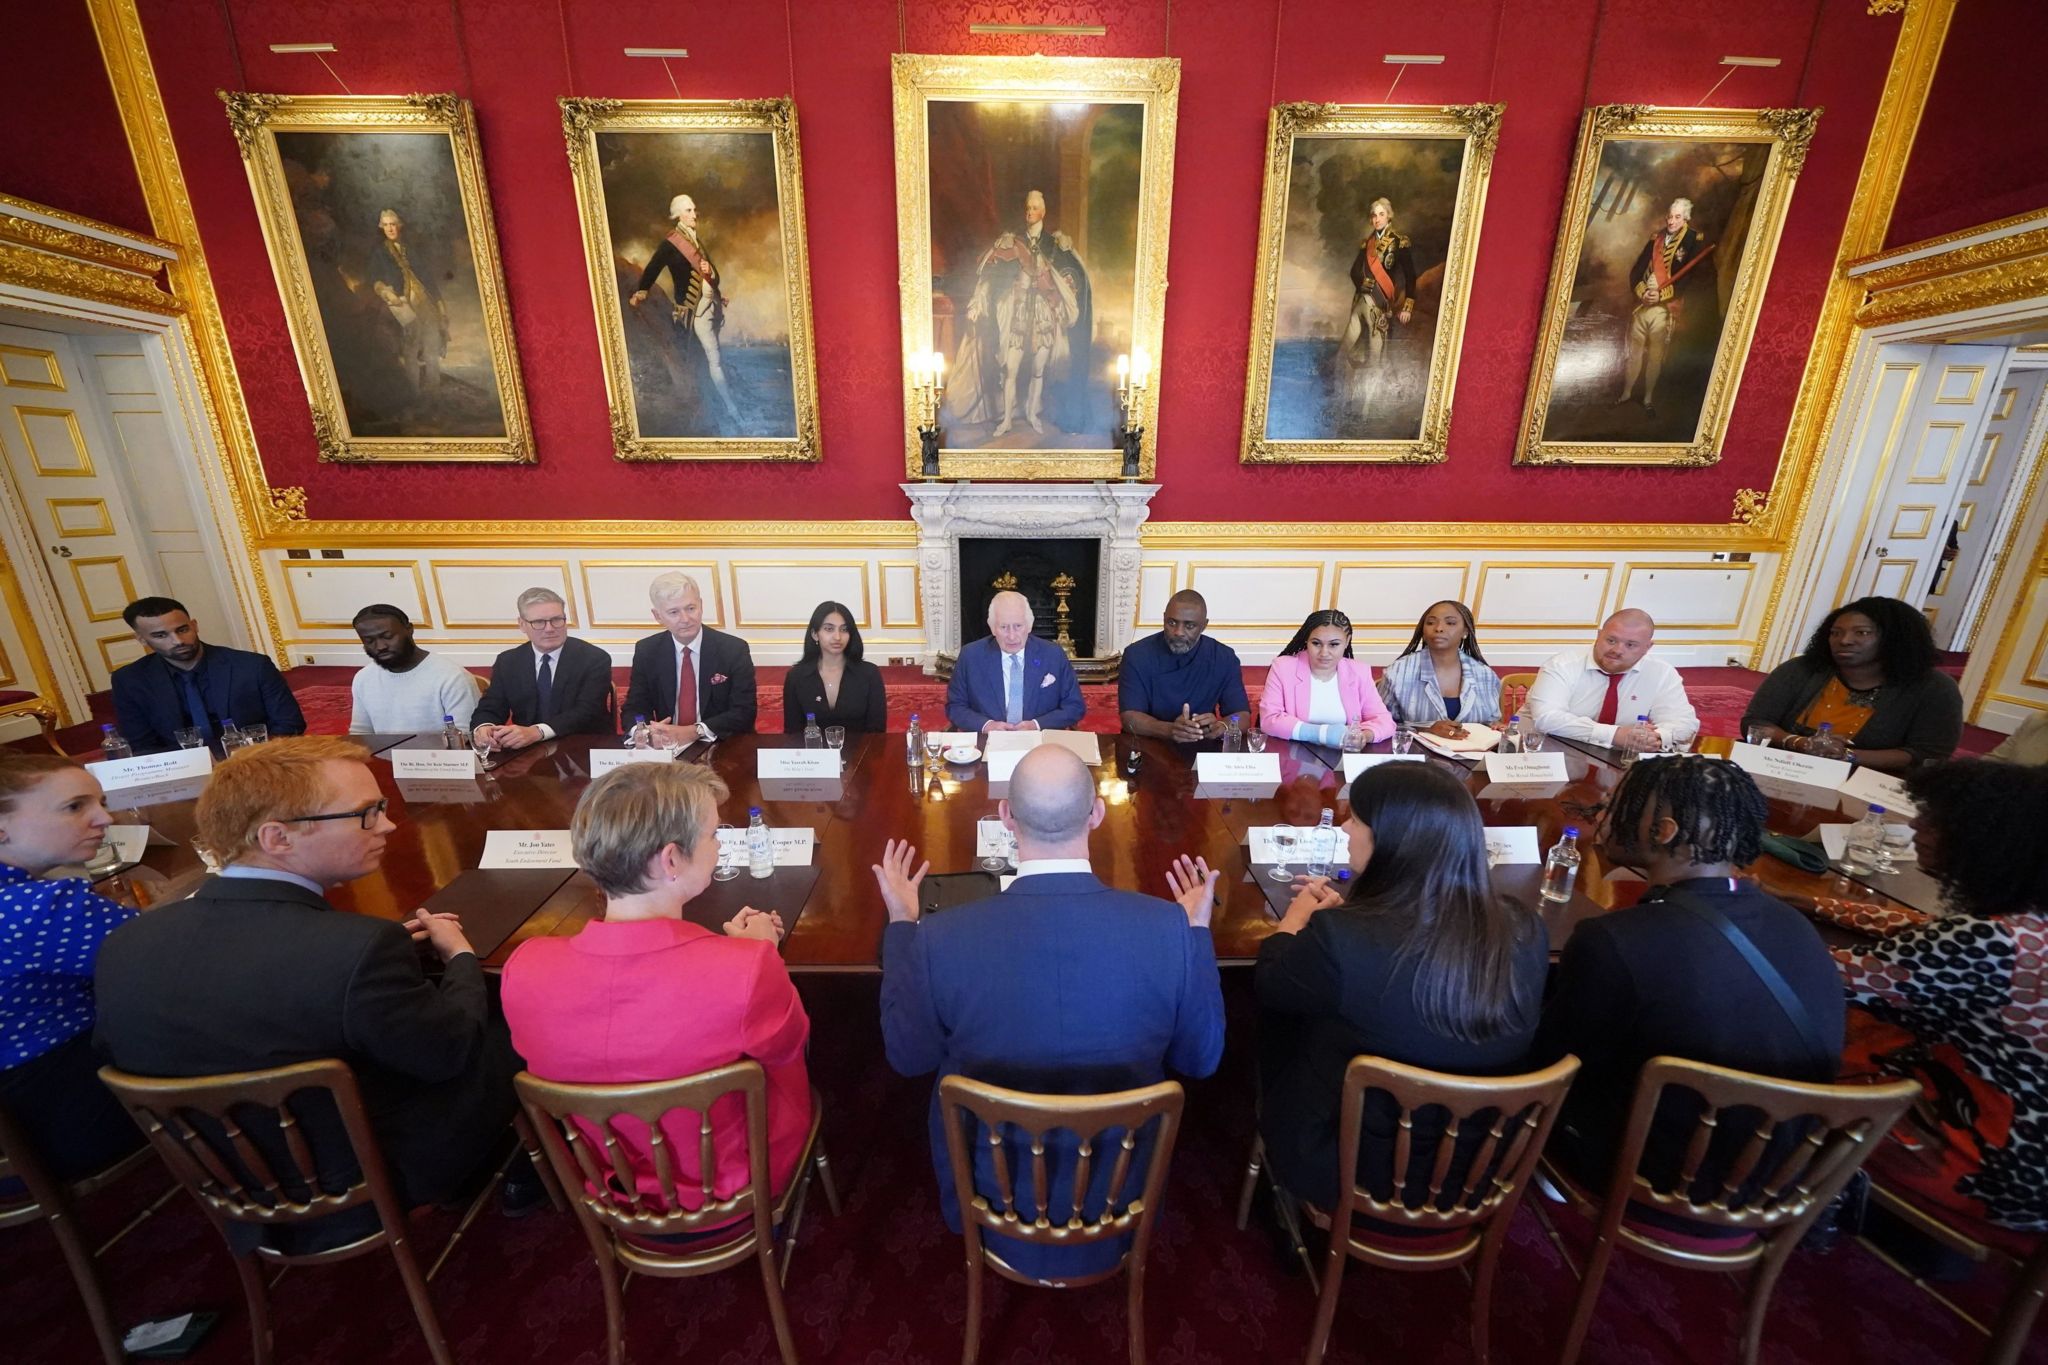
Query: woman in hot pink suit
644	995
1317	693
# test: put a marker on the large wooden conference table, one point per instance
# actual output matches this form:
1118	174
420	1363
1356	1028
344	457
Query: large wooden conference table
834	910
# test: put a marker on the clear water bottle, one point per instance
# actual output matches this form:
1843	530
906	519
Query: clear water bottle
112	745
1864	844
1322	844
760	845
452	735
1511	736
1561	867
1825	744
814	738
913	749
641	735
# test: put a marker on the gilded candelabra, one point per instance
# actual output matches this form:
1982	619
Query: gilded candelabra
1061	586
1132	373
927	391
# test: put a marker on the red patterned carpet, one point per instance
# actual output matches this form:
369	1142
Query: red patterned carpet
883	1285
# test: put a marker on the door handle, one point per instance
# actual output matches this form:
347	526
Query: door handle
61	551
1882	552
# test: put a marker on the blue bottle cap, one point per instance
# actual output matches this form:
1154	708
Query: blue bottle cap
753	811
1571	831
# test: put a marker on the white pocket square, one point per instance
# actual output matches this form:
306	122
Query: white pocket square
1047	682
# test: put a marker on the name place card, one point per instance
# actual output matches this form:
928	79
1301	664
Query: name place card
527	848
992	840
1880	789
1264	849
823	790
1354	764
603	761
144	770
441	764
1806	769
1526	768
1511	844
793	845
442	791
1237	770
810	763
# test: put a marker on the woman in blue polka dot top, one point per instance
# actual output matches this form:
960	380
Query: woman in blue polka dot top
52	815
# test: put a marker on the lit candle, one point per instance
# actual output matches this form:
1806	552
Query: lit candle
1141	365
1123	368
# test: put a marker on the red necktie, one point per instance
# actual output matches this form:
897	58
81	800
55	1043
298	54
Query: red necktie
1612	699
686	692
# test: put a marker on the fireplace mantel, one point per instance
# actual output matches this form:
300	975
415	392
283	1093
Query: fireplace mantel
1110	513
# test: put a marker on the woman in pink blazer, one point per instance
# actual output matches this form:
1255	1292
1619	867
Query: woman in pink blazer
645	995
1317	693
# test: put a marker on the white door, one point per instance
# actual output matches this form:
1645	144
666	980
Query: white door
1928	453
63	474
1983	515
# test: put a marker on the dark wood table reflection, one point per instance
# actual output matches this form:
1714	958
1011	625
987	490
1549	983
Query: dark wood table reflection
1152	816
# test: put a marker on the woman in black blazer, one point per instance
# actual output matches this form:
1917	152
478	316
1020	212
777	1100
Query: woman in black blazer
832	681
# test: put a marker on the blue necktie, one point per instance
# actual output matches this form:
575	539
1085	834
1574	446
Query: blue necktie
1013	687
195	705
544	686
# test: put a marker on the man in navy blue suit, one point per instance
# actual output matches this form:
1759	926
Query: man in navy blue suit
183	683
1058	985
1013	680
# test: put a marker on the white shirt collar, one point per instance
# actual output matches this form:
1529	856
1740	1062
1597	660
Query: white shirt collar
1032	867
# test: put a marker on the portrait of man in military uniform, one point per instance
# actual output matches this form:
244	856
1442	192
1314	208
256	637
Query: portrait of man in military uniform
1029	322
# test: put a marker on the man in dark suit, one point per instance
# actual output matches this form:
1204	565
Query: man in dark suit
552	686
1013	680
1058	985
183	683
720	700
257	970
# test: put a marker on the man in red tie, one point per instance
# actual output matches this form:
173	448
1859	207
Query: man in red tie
1595	695
689	681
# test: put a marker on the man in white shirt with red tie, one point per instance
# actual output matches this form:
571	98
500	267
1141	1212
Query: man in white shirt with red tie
1596	695
689	681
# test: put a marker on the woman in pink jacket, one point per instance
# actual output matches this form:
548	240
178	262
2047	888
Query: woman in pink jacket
1317	693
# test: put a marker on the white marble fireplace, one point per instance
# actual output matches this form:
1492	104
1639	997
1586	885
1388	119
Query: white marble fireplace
1108	513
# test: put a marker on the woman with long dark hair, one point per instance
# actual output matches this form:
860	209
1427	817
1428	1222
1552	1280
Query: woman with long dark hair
1441	682
1868	674
1318	693
832	681
1420	963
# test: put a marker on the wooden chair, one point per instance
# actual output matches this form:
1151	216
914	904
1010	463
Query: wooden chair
994	1114
619	1219
2022	1255
49	1200
1752	1204
1514	692
201	1126
1465	1214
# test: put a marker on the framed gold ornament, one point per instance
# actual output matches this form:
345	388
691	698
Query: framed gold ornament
1367	234
693	229
1032	198
1670	227
378	224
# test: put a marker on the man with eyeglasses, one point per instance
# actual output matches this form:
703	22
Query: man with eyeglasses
553	685
259	970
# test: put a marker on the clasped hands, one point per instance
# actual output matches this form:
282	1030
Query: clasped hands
1191	729
1311	894
441	932
764	925
1190	879
487	737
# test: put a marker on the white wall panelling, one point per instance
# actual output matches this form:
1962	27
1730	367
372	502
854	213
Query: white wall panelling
784	592
1386	594
471	595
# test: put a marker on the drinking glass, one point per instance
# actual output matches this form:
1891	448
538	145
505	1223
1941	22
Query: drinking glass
996	862
1255	740
728	853
1404	737
1898	842
673	746
189	737
835	736
1532	740
934	745
255	734
1283	848
1755	735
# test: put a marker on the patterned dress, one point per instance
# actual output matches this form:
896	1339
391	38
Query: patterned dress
1976	990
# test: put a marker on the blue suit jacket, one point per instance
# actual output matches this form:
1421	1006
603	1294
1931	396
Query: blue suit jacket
235	684
975	695
1061	986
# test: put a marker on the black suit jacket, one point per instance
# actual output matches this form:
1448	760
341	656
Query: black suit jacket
726	706
235	684
581	698
249	974
863	701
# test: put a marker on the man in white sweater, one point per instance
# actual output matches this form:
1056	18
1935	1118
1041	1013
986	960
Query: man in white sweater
404	688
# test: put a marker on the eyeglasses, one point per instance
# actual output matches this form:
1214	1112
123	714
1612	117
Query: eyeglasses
545	622
366	817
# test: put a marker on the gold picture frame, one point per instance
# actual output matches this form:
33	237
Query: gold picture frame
1093	139
1683	353
332	176
1360	385
631	160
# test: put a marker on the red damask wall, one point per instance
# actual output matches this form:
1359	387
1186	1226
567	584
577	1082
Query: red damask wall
61	142
1982	151
1546	59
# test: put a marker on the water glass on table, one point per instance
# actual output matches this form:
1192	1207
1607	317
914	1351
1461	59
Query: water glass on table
255	734
1897	842
835	737
1404	737
1284	839
934	745
1757	735
728	853
1255	740
190	737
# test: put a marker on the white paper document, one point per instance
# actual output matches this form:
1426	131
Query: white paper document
1805	769
796	763
129	841
603	761
441	764
1526	768
1083	744
527	848
992	840
144	770
793	845
1511	844
1874	788
1354	764
1264	850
